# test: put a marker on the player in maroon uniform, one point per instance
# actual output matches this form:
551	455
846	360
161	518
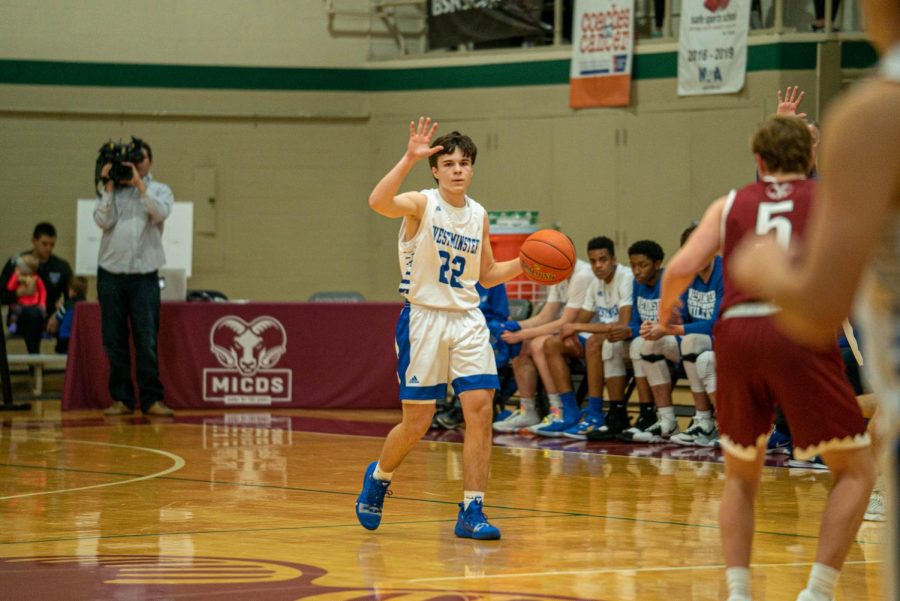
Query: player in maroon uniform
758	366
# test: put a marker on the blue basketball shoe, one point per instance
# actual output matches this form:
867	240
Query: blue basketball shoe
779	443
589	422
371	499
472	523
559	425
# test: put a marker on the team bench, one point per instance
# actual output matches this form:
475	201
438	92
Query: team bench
38	362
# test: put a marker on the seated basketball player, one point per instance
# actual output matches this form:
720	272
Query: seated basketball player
651	371
564	301
598	336
699	311
441	336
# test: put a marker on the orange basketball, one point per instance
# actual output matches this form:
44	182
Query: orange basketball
547	257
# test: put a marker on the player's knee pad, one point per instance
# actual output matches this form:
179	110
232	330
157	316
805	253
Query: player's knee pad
613	354
706	370
653	362
694	344
666	347
634	348
656	369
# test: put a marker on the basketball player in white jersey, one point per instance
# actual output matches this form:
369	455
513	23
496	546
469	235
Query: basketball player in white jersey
441	337
856	224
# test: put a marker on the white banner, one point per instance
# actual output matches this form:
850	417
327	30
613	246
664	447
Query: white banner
603	36
712	46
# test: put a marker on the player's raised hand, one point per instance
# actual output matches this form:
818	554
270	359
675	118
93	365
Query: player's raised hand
790	102
420	135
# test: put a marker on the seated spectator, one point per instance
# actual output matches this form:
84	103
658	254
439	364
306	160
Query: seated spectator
29	289
650	367
699	310
30	321
65	314
563	304
598	335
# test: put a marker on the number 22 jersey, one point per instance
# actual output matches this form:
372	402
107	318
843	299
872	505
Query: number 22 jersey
442	262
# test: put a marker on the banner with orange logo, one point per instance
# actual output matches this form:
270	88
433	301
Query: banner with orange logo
712	46
602	44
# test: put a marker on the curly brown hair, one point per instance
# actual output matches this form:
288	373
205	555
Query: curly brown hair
784	144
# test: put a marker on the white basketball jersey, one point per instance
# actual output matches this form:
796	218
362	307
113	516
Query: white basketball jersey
442	262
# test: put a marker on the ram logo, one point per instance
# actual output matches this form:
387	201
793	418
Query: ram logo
247	352
248	347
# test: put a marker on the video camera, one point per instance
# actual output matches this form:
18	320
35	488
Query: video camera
117	155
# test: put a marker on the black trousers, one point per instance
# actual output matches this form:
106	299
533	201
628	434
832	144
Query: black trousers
30	325
131	299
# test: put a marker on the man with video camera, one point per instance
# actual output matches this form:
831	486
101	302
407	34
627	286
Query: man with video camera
130	210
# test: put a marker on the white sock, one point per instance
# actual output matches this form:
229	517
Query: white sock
822	580
526	406
471	495
380	474
666	414
738	583
703	414
554	400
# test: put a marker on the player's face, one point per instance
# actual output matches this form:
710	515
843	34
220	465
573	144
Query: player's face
453	171
644	269
43	247
602	263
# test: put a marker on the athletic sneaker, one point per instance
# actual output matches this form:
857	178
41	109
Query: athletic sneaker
472	523
700	433
875	508
371	499
548	419
815	463
779	443
661	431
517	421
589	422
450	419
557	425
616	423
644	422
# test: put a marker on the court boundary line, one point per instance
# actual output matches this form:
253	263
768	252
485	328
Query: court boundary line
544	513
178	463
797	564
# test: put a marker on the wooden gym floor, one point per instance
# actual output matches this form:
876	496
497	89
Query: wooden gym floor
247	504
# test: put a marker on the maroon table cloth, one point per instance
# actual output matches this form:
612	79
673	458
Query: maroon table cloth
310	355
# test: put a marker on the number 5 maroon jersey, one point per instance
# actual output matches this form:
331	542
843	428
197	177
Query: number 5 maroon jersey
766	207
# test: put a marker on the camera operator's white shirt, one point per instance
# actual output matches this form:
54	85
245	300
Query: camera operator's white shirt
132	227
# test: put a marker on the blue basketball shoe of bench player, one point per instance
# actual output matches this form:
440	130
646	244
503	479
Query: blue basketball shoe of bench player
472	523
371	499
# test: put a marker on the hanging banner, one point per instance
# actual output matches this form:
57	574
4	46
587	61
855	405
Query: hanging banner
712	46
603	36
455	22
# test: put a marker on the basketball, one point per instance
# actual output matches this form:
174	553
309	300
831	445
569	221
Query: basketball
547	257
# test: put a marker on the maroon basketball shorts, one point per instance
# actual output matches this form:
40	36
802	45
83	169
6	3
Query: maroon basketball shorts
758	367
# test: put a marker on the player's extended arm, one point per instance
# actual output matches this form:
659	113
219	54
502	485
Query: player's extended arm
493	272
696	253
384	199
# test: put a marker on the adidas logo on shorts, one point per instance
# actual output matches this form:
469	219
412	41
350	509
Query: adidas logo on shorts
414	380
